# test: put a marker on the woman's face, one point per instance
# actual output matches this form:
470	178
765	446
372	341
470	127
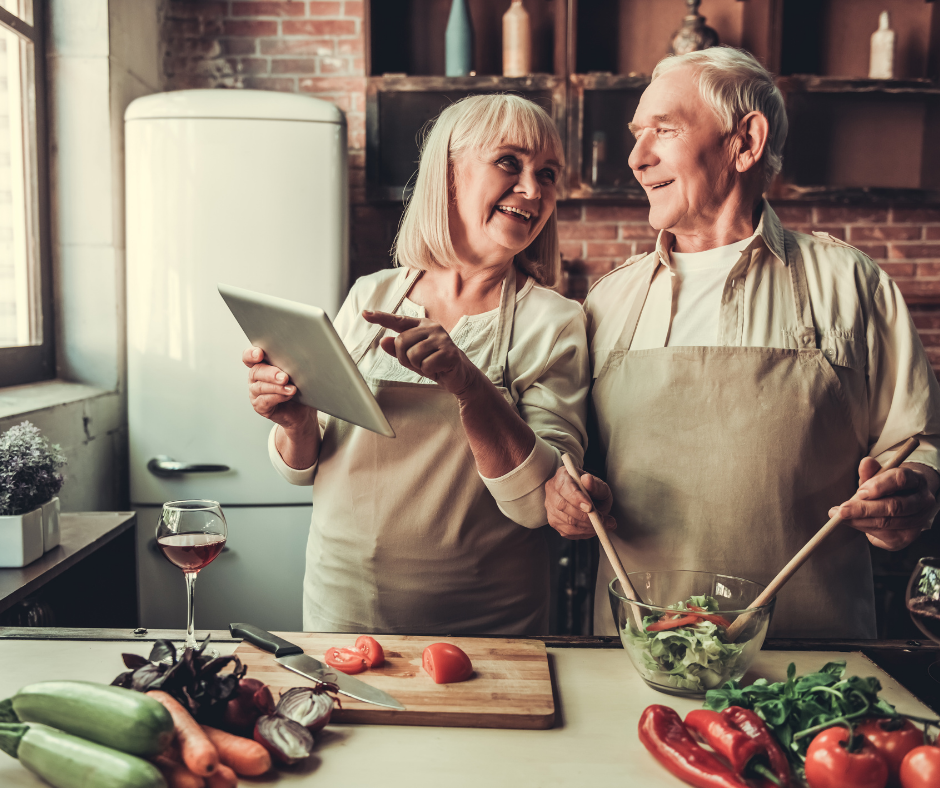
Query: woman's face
503	197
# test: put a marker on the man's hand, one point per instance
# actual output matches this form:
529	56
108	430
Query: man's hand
567	506
893	508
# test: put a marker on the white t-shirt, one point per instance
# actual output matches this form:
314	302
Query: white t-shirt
702	277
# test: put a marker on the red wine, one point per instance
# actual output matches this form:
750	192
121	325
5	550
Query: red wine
191	552
926	614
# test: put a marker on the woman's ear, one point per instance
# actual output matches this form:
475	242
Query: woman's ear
751	140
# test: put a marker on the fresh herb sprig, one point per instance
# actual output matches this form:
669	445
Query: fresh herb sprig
801	705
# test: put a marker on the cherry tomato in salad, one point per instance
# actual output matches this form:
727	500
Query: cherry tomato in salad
893	738
346	660
445	663
921	767
371	651
830	765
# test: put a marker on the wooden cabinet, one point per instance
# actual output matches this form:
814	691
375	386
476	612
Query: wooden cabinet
848	135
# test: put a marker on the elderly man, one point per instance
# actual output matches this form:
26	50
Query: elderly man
746	377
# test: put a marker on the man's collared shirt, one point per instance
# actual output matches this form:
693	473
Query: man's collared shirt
862	326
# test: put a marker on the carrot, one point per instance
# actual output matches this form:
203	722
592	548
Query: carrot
223	777
177	775
245	756
199	754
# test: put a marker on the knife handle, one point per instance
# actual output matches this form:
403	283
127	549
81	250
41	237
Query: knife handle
265	640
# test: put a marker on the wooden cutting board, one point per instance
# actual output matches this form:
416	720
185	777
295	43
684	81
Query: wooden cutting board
510	686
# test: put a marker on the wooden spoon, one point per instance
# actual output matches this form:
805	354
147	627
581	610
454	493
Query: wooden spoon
628	590
799	559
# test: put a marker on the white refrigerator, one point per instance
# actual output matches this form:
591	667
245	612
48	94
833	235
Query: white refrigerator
248	188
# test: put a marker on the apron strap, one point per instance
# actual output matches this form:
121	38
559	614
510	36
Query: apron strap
391	305
805	330
499	361
633	317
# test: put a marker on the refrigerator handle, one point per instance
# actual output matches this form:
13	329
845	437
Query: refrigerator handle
166	466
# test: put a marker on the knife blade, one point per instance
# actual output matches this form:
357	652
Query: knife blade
292	657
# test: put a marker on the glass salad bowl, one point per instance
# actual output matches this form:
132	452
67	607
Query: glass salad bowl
675	634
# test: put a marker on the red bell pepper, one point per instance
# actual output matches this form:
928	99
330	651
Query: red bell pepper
669	741
737	748
754	727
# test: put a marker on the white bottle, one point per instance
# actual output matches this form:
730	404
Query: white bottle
517	41
882	50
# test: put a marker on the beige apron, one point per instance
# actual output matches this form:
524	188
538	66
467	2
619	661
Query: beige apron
727	459
405	536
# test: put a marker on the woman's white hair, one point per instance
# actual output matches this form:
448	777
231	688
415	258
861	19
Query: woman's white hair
733	84
475	123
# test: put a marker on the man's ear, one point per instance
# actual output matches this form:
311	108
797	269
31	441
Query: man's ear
751	140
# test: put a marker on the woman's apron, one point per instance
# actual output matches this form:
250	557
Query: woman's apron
727	460
405	536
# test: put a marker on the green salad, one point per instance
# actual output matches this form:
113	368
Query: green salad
686	650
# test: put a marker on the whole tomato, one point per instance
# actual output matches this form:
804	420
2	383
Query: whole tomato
893	738
830	765
921	767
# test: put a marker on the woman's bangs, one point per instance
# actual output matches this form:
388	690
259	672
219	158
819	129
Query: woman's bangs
513	122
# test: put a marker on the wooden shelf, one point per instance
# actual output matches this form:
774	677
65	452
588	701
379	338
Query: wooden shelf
851	138
399	107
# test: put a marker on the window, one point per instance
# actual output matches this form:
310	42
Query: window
26	348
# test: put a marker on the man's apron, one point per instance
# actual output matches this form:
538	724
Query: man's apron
405	536
727	460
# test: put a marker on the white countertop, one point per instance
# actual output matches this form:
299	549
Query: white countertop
598	696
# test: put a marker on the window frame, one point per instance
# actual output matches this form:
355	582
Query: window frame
34	363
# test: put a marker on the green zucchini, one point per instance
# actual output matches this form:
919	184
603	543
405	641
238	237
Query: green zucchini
66	761
113	716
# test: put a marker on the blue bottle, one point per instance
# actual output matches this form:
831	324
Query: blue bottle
458	41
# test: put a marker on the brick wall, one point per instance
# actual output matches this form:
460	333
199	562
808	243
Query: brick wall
316	48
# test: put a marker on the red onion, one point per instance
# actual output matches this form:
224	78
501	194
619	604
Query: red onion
306	706
252	699
288	741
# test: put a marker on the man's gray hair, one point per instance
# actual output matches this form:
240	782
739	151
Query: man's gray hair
733	84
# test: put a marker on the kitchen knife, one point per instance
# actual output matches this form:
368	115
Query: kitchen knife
293	658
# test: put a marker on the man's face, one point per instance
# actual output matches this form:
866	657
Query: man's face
681	157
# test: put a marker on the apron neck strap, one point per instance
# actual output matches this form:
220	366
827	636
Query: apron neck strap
633	316
391	305
803	312
507	311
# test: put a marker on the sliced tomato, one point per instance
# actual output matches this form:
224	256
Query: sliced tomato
372	652
718	621
672	623
445	663
346	660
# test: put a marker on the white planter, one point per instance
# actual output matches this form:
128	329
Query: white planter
50	524
20	538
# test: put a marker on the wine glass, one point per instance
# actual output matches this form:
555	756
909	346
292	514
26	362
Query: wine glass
923	603
190	535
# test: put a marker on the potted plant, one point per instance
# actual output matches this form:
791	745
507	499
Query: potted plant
30	478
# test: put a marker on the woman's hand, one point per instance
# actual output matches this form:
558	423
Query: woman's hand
423	346
271	394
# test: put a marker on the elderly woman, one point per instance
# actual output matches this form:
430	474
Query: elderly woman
481	370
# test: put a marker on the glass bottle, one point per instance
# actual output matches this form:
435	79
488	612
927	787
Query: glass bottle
517	41
458	41
881	65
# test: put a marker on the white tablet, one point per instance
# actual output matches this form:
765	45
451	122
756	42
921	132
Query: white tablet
301	340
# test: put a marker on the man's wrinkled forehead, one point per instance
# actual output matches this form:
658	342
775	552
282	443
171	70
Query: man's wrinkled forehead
673	99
